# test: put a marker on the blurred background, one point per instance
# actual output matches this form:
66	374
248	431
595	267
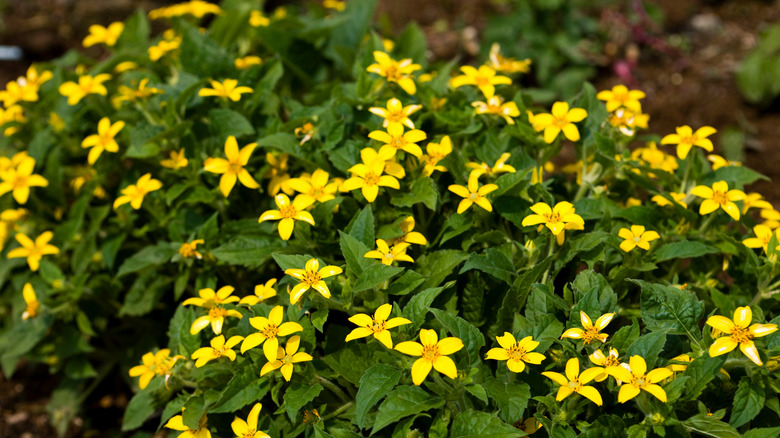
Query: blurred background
700	62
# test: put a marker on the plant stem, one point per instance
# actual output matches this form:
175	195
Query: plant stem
343	408
333	388
549	253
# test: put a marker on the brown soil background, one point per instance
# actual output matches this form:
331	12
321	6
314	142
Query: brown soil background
685	65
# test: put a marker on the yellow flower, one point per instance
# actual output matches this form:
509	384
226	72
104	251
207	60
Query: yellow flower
678	368
627	122
125	66
154	364
755	200
219	348
196	8
396	113
28	293
436	152
368	176
395	71
315	186
177	423
763	236
495	105
638	379
591	330
395	139
33	251
164	47
133	95
719	196
718	162
636	236
286	358
103	140
86	85
739	334
20	178
311	277
248	428
262	293
621	96
662	201
269	329
685	139
305	132
499	167
608	362
257	19
574	381
189	249
434	353
33	78
213	301
176	161
473	194
771	218
134	193
388	255
559	218
516	354
288	213
506	65
247	61
408	236
277	173
561	119
377	326
337	5
15	92
232	168
12	114
104	35
208	298
484	78
227	90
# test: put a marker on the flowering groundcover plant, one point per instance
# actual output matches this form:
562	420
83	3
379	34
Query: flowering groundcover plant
183	213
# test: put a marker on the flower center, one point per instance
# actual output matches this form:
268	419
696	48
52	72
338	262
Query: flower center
611	361
378	326
720	197
515	353
639	382
430	352
392	73
553	218
235	168
287	359
20	181
310	278
270	331
389	256
590	334
740	335
288	212
394	117
398	142
473	196
217	312
481	81
637	239
371	179
575	384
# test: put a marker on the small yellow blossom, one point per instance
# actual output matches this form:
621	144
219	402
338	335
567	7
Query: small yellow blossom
662	201
436	152
396	113
286	358
257	19
311	276
636	236
19	178
196	8
574	381
763	236
559	218
135	193
104	140
337	5
368	175
262	293
219	348
226	89
473	193
506	65
740	334
388	255
719	196
408	236
213	301
305	132
771	218
607	362
154	364
561	119
395	71
495	105
516	354
277	173
628	122
651	156
163	47
434	353
395	139
31	301
484	78
247	61
33	78
755	200
316	185
176	161
685	139
232	168
9	115
718	162
177	423
248	428
188	249
288	213
268	331
621	97
104	35
133	95
33	251
86	85
499	167
207	298
637	379
125	66
591	330
15	92
378	326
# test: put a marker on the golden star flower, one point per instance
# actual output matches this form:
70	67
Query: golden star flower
719	196
125	66
196	8
636	236
395	139
484	78
15	92
19	178
516	354
574	381
408	236
771	218
740	333
278	173
316	185
718	162
607	362
262	293
189	250
504	64
35	79
591	330
495	105
232	168
154	364
388	255
368	175
104	140
208	298
305	132
499	167
662	201
248	428
86	85
763	236
33	306
176	161
269	329
436	152
104	35
395	71
337	5
621	96
33	251
433	353
286	358
685	139
396	113
227	89
257	19
127	94
561	119
288	213
177	423
755	200
219	348
213	301
628	122
562	216
12	114
473	193
378	326
247	62
311	277
638	379
163	47
134	193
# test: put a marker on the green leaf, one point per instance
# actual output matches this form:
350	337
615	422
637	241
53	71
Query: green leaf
153	255
136	32
766	432
492	261
423	190
511	398
377	381
701	371
202	56
362	227
403	402
648	346
748	401
247	250
708	426
319	318
354	252
141	145
438	265
472	424
417	307
20	339
515	298
406	284
669	308
350	362
298	395
682	250
144	294
594	296
374	275
472	338
734	176
141	406
293	261
225	123
180	341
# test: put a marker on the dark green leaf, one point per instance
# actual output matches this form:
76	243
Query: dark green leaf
405	284
701	371
423	190
511	398
247	250
472	338
298	395
374	275
225	123
648	346
682	250
362	227
472	424
708	426
377	381
748	401
438	265
492	261
670	308
354	251
154	255
403	402
141	406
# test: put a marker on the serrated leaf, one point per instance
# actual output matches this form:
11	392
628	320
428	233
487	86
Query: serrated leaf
180	341
748	401
648	346
153	255
141	406
362	226
472	338
709	426
225	123
438	265
515	298
472	424
377	381
492	261
423	190
669	308
374	275
247	250
403	402
405	284
354	252
417	307
298	395
701	371
511	398
683	249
